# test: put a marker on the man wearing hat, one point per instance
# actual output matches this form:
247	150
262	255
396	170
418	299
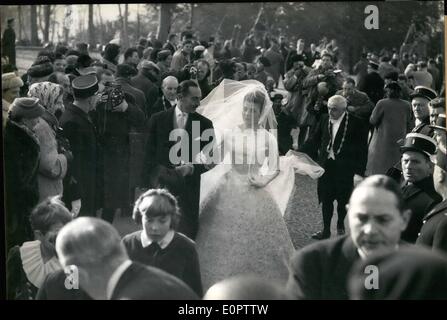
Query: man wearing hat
434	229
373	83
147	81
417	187
81	133
11	84
164	59
440	132
358	102
9	42
419	103
21	168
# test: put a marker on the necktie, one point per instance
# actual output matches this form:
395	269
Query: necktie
182	120
330	134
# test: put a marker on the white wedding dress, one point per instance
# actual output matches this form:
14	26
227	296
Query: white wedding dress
241	227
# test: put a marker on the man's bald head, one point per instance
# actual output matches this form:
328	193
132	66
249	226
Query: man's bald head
246	287
169	87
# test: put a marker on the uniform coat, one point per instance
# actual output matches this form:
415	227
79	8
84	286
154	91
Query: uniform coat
9	45
420	197
434	229
81	133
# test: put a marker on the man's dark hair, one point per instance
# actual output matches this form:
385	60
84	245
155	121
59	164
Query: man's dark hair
172	36
187	42
111	51
129	52
184	86
384	182
350	80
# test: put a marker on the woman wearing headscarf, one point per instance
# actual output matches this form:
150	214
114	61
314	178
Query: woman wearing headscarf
52	165
55	150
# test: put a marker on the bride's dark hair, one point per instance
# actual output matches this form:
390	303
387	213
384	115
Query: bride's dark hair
256	97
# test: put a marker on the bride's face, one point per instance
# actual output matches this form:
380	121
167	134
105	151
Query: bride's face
251	113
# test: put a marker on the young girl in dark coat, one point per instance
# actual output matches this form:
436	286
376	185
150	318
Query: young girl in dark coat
158	244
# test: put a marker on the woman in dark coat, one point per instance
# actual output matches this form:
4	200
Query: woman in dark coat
114	116
21	167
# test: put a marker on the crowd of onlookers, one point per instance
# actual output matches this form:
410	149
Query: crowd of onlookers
75	132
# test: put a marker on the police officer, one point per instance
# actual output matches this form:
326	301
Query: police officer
419	103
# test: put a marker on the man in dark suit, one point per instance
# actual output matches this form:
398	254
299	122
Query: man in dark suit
339	145
168	100
172	156
358	102
92	251
373	84
434	228
417	186
81	133
171	44
376	218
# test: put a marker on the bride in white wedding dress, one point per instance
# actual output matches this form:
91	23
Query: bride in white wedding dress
244	197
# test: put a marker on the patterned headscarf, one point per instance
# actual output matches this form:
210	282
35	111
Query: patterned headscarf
49	95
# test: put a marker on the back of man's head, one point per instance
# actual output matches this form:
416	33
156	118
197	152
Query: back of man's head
90	243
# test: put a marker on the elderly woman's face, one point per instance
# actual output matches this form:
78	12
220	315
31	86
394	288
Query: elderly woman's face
156	228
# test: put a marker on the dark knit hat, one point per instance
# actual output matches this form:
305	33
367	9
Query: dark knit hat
85	86
28	108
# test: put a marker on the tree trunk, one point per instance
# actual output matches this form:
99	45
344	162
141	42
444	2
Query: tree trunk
126	26
47	16
91	27
192	17
33	26
101	40
20	22
138	22
164	18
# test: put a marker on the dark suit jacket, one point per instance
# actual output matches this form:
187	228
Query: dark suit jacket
424	128
353	154
162	104
420	197
320	270
360	100
81	133
53	288
434	229
140	282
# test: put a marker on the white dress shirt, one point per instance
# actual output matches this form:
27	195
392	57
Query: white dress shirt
335	126
181	117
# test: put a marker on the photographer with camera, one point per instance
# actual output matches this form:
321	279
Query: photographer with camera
115	114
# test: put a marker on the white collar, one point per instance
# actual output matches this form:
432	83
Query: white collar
116	276
338	120
35	269
146	242
179	112
363	255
